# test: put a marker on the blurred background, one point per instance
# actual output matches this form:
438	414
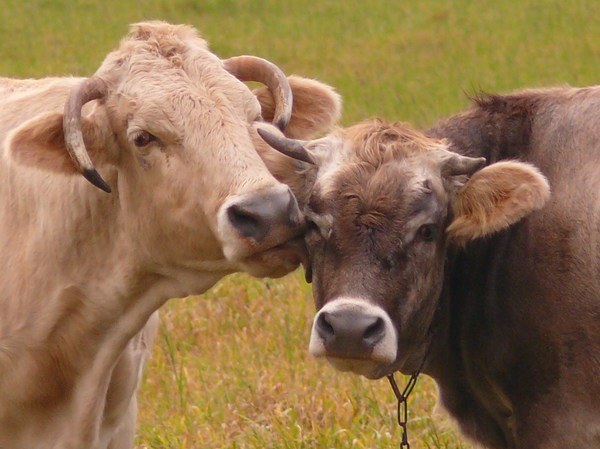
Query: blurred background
231	368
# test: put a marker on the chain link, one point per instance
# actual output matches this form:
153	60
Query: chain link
402	413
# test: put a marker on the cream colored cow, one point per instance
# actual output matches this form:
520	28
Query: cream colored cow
170	128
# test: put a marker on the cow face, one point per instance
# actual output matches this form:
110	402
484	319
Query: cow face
170	126
185	127
383	205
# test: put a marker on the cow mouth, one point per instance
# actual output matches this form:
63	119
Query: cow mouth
278	260
363	367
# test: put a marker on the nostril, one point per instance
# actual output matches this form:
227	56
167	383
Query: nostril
374	332
324	328
245	222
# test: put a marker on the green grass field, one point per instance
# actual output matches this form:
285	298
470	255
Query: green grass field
231	368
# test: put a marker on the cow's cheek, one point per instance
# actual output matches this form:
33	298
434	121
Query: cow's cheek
317	276
324	278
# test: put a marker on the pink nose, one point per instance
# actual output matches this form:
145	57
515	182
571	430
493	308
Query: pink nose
349	334
267	218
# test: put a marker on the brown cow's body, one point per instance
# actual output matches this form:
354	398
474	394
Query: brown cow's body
517	357
415	249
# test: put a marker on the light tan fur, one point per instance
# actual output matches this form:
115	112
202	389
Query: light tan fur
40	143
324	104
496	197
316	109
376	142
83	271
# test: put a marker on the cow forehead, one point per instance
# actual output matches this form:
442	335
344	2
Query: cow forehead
373	143
384	197
382	178
159	61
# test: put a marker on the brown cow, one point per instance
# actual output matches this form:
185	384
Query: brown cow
418	253
170	127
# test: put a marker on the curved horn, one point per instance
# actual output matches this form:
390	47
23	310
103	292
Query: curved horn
289	147
90	89
252	68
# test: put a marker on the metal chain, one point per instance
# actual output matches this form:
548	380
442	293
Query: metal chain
402	414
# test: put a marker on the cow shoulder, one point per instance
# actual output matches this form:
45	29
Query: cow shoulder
40	143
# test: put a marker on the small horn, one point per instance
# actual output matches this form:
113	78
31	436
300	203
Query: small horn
456	165
252	68
90	89
289	147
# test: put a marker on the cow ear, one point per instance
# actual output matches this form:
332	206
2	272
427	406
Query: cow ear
40	143
316	108
496	197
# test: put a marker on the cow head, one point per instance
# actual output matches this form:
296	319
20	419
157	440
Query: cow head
383	202
170	127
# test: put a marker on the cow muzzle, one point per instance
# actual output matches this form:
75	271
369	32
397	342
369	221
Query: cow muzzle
354	335
259	221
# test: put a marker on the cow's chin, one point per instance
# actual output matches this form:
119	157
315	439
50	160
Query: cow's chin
363	367
276	262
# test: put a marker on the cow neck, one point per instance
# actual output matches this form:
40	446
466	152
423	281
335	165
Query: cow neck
442	351
462	304
75	292
402	396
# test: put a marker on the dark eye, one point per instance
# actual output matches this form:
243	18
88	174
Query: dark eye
428	232
143	138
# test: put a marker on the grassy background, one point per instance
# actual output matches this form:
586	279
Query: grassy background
231	369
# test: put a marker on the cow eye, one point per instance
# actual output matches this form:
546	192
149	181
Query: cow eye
143	138
428	232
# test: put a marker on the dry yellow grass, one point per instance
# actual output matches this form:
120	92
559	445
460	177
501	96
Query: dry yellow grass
231	370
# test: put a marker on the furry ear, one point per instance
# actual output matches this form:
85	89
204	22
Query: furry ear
496	197
40	143
316	108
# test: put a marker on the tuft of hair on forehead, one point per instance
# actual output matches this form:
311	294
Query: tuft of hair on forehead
377	141
161	31
375	196
163	38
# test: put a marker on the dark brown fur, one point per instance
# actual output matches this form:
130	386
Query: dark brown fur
515	317
521	363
